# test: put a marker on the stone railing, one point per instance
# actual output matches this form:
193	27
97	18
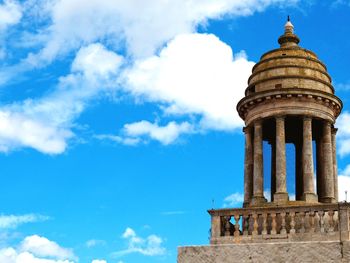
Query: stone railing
326	222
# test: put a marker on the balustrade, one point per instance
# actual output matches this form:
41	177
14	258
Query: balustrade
290	223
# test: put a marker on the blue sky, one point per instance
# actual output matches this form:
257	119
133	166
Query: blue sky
118	127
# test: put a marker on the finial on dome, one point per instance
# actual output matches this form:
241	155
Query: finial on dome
288	38
288	27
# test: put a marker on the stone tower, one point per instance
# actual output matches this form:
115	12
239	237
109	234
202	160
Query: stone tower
289	99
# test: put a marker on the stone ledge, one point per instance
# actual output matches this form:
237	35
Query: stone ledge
268	252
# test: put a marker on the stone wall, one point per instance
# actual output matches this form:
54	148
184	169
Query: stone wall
268	252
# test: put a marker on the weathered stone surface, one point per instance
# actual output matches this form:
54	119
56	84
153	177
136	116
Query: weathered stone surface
268	252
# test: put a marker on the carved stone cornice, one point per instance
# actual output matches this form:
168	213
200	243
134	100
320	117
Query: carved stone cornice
279	97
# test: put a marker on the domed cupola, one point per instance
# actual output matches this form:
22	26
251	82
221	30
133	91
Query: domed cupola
290	99
290	72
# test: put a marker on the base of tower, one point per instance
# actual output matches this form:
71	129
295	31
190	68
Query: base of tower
280	198
332	251
327	200
310	198
258	200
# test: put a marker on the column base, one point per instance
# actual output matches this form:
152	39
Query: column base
327	200
246	204
310	198
257	200
280	198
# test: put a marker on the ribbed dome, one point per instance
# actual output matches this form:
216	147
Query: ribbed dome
289	66
289	81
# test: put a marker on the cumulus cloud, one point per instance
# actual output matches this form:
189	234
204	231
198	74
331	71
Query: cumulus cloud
99	261
118	139
142	26
45	124
343	136
13	221
194	74
233	200
149	246
94	242
10	13
36	249
42	247
164	134
344	184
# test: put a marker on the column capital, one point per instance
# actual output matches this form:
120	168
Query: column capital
307	118
247	129
334	131
327	123
258	122
280	117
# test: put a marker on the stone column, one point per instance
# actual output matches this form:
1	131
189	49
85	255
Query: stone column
248	166
308	168
273	169
298	170
328	183
335	164
281	195
258	170
319	167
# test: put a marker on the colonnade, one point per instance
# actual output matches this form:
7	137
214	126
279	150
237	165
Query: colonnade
327	184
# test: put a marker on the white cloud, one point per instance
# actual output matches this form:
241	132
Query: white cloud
45	124
98	261
94	242
171	213
234	200
119	139
149	246
42	247
35	249
142	26
344	184
194	74
10	13
164	134
343	136
13	221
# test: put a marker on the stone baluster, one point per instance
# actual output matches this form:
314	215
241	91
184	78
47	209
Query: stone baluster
330	221
292	223
255	224
264	224
237	233
336	221
312	221
227	226
321	215
273	224
307	221
317	222
283	223
302	222
245	226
